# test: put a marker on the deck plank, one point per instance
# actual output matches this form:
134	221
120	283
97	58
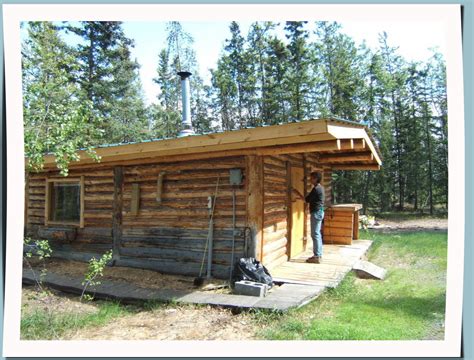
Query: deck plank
337	261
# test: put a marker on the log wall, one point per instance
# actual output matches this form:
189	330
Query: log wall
168	235
171	234
277	206
77	243
168	229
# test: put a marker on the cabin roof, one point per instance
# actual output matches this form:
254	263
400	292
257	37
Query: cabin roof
341	144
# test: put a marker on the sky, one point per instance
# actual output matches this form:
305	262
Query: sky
413	39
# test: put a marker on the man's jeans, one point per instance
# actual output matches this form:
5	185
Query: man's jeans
316	220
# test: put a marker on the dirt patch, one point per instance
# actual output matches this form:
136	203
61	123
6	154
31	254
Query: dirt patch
169	322
139	277
173	323
54	302
411	225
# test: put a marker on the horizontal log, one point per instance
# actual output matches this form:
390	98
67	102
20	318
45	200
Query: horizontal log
182	221
94	239
89	205
182	233
272	172
275	235
275	204
98	248
107	188
272	208
178	204
90	179
276	226
37	191
36	204
36	212
188	182
37	197
275	179
220	255
95	197
275	168
275	245
273	160
190	212
273	190
36	185
185	194
97	224
184	256
105	221
75	255
275	217
173	266
278	198
97	215
222	163
58	233
36	220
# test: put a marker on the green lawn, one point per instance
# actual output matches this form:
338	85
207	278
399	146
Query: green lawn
408	304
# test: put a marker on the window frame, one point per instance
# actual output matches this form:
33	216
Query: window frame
47	205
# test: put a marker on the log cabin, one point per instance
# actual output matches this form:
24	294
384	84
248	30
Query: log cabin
152	202
174	205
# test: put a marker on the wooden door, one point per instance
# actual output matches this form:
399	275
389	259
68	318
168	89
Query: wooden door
297	213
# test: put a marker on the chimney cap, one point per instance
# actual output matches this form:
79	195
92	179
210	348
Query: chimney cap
184	74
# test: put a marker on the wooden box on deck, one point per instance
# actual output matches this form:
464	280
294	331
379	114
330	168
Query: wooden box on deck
341	224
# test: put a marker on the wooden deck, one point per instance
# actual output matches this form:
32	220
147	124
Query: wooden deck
337	261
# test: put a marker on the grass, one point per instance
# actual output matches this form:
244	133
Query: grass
44	325
408	304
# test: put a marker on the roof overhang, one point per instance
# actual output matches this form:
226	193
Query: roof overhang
340	144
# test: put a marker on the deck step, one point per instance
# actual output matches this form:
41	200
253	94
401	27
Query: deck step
367	270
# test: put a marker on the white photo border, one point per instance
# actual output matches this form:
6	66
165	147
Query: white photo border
448	15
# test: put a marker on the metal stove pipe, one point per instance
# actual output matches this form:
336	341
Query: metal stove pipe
186	94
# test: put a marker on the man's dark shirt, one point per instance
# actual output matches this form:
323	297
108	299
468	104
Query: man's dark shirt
315	198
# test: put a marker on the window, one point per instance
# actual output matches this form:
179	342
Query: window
65	201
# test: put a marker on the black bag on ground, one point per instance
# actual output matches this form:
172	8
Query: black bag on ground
252	270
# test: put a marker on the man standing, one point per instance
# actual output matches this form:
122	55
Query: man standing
316	208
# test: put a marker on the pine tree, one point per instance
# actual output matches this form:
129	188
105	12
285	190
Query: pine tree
128	116
298	79
106	73
234	47
258	42
225	98
395	81
277	100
